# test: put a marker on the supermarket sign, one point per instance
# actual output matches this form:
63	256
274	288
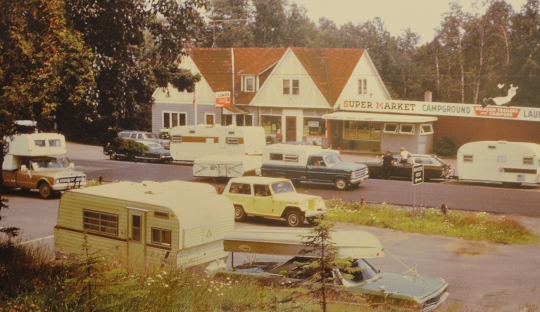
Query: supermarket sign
443	109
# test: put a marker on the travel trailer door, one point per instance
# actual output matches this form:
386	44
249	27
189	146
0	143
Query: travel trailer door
136	234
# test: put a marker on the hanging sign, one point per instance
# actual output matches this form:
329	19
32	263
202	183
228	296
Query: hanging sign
223	99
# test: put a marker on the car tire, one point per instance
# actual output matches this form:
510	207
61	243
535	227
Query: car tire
45	190
294	219
112	156
341	184
239	213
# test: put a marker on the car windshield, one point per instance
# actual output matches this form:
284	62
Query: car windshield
282	187
332	160
365	273
51	163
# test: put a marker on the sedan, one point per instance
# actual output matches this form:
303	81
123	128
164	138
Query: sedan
150	152
407	291
434	167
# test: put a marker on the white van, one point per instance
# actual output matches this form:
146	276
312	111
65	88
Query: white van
511	163
190	142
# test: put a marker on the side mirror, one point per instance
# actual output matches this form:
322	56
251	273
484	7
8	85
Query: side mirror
23	168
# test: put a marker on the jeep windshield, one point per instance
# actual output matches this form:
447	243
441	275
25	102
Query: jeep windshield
282	187
51	163
331	160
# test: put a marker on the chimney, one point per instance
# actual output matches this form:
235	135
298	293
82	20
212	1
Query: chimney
289	42
428	96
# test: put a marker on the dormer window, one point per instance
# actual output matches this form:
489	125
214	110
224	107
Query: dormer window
249	84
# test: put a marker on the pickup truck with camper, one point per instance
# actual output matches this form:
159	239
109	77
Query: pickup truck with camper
272	198
302	163
512	163
38	161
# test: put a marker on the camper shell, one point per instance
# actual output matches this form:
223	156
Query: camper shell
191	142
150	223
511	163
302	163
38	161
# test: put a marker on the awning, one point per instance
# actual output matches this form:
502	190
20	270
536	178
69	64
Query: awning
234	110
379	117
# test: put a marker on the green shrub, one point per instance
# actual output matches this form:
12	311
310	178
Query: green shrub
445	147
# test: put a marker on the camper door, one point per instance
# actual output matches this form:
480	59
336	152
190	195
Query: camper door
136	234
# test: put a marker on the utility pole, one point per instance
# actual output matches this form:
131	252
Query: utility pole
214	44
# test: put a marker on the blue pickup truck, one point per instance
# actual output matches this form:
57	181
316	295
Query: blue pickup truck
301	163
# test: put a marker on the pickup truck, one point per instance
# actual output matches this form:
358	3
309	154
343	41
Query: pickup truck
38	161
301	163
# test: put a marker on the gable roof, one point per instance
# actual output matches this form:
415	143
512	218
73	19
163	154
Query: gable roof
330	69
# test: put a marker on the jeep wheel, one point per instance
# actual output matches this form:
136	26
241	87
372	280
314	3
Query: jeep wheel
239	214
112	156
45	190
295	219
340	184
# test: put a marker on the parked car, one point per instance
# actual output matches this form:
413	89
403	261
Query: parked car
272	198
150	151
143	135
434	167
404	291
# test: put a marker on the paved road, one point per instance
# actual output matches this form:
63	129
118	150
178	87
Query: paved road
482	276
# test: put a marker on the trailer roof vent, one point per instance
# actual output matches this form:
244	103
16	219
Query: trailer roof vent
503	142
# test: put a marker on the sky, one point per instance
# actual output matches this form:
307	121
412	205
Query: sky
421	16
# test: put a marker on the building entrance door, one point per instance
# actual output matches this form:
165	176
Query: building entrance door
290	134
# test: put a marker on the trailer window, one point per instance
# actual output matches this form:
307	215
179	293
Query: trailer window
136	228
39	143
176	138
233	141
390	128
426	129
100	222
54	143
274	156
468	158
161	214
161	236
528	160
406	129
290	158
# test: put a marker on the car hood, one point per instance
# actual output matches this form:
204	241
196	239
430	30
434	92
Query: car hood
295	197
348	166
405	285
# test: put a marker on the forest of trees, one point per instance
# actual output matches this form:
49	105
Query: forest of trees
89	67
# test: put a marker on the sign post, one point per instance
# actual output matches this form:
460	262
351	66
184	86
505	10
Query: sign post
417	178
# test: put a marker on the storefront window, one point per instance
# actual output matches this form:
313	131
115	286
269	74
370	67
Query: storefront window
271	124
362	130
314	127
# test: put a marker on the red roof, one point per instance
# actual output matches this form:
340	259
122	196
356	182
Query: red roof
330	69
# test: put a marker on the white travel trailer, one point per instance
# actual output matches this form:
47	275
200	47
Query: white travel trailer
226	166
190	142
149	223
511	163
